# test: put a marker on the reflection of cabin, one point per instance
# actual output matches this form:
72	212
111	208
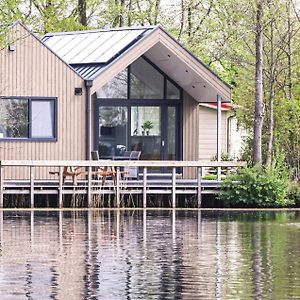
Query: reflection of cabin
97	90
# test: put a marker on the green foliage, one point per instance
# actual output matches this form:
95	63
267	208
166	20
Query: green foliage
287	134
212	177
257	187
147	125
294	193
224	157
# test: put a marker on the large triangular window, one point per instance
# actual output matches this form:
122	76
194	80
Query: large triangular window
141	80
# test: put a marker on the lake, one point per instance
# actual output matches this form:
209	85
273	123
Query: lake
182	254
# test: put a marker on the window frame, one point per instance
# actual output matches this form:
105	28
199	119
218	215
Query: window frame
31	99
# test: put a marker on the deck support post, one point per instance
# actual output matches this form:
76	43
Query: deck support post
219	128
199	188
89	192
118	187
1	186
173	187
32	186
60	188
145	187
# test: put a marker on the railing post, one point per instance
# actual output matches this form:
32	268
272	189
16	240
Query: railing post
1	185
118	187
60	188
32	186
89	194
199	179
173	187
145	187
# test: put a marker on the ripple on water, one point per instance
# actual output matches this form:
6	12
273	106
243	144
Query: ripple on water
158	255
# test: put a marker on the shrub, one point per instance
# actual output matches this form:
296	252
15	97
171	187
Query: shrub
257	187
212	177
294	193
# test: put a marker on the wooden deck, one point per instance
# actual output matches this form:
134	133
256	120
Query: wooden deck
89	185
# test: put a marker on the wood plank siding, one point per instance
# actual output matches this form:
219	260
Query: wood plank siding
33	70
208	133
190	132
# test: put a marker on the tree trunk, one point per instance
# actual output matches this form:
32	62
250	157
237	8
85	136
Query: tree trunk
271	124
82	12
156	11
189	21
129	17
289	51
259	104
121	14
182	13
271	97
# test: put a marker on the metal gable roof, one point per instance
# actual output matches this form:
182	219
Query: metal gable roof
98	55
88	51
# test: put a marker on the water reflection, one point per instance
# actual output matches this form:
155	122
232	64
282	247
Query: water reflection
149	255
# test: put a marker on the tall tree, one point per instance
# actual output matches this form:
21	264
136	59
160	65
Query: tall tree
259	103
271	96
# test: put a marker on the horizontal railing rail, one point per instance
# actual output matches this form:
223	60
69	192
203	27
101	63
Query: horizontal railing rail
146	187
120	163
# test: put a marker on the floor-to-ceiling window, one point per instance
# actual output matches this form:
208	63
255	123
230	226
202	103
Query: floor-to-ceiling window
139	109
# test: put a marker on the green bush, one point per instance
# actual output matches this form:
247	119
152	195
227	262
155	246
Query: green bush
294	193
212	177
257	187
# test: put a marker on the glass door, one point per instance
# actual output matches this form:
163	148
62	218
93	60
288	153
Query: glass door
146	131
153	130
112	128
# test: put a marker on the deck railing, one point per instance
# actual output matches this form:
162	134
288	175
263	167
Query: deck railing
119	165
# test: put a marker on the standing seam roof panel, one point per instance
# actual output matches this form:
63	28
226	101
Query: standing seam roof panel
89	52
84	56
70	46
56	43
113	42
116	48
91	47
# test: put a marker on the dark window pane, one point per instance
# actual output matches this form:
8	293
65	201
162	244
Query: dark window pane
42	119
112	131
172	91
145	81
171	145
115	88
13	118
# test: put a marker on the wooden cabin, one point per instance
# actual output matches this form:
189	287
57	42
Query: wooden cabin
110	90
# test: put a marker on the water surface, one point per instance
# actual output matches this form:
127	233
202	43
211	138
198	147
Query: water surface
149	255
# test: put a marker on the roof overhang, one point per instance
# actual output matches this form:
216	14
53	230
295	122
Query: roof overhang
214	106
173	59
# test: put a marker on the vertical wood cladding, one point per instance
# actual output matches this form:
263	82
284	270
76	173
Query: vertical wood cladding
33	70
208	133
190	132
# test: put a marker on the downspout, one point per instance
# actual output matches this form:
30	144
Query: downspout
219	143
229	135
88	85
